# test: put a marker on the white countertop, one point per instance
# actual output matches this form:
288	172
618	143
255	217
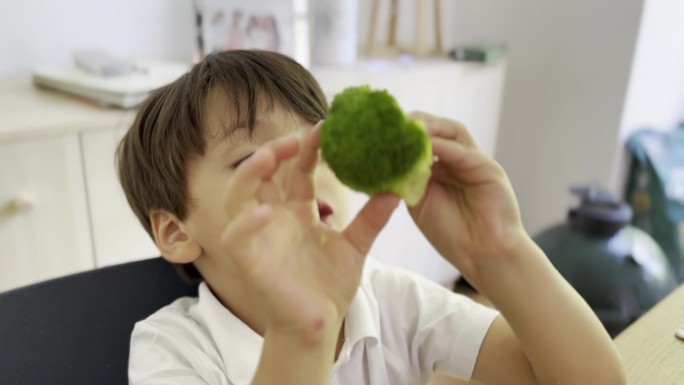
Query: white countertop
27	111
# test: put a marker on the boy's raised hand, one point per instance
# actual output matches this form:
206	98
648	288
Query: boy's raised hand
469	212
304	272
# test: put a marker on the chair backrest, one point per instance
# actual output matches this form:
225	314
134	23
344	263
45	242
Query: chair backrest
76	329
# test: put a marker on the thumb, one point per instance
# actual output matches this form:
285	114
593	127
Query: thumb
372	218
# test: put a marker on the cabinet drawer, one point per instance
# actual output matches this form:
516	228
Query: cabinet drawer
117	234
43	211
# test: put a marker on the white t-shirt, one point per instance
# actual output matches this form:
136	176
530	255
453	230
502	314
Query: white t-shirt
400	328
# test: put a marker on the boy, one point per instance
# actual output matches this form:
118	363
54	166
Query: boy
222	169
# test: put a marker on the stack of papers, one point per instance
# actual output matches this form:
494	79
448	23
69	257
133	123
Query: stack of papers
124	91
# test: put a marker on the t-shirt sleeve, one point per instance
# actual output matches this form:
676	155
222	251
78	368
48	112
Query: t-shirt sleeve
443	330
163	356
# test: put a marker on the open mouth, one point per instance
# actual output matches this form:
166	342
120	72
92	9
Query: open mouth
325	212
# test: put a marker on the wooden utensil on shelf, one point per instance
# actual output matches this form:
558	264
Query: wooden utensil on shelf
421	46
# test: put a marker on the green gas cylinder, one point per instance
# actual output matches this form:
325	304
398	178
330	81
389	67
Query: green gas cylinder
618	269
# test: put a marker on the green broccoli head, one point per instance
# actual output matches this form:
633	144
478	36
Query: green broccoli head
373	147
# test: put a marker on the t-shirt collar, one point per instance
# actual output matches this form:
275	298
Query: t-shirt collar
360	321
240	347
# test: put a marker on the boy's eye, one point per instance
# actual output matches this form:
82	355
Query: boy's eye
236	164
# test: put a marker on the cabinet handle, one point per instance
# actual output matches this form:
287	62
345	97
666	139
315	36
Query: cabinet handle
22	203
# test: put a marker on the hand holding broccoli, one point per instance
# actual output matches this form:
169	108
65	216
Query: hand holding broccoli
469	212
470	215
463	203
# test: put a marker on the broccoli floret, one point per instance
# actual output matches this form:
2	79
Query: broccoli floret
373	147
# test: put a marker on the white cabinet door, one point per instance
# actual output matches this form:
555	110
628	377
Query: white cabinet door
118	235
44	229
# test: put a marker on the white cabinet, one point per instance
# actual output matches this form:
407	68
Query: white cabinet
118	236
59	154
44	229
61	208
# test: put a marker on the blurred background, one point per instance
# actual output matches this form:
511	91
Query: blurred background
553	90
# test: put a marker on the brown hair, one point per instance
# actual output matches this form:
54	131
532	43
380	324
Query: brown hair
152	156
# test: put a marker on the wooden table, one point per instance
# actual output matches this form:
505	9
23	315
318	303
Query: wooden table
651	352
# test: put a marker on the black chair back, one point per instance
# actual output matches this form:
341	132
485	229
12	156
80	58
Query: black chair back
75	330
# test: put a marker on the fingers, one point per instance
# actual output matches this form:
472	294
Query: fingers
268	192
452	153
457	153
301	184
248	177
243	226
309	156
468	165
445	128
370	220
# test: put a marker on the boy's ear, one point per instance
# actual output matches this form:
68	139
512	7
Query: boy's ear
174	243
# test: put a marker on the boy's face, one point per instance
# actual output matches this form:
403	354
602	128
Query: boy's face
209	209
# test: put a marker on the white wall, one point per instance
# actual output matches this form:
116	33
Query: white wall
46	32
655	97
581	77
568	72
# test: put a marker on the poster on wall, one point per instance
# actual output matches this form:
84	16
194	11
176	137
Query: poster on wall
272	25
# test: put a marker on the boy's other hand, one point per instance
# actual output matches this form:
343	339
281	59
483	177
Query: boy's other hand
469	212
303	272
